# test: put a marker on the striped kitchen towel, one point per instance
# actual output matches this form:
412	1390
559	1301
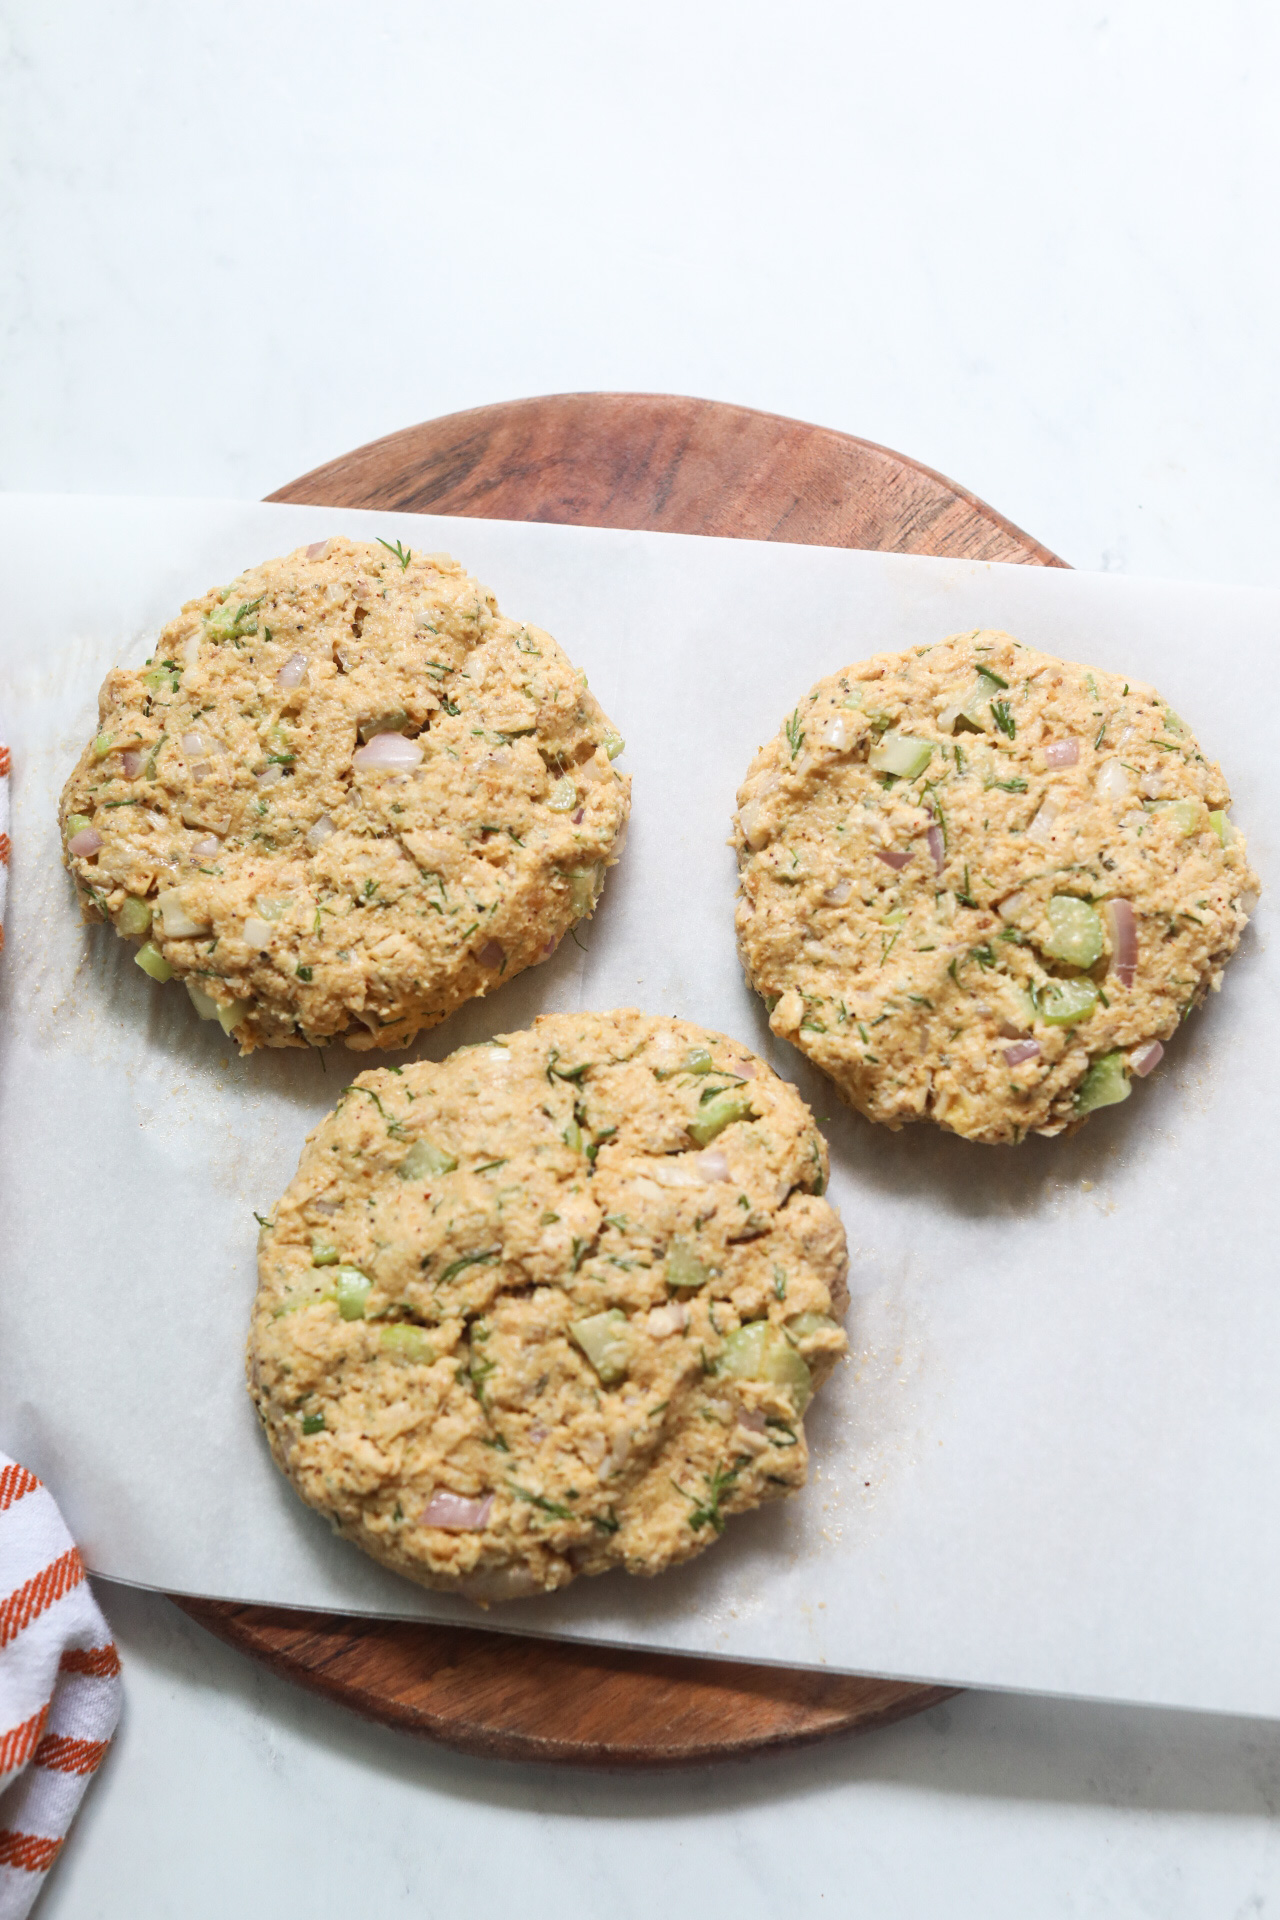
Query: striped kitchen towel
59	1672
59	1685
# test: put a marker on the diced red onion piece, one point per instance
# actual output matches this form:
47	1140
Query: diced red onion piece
936	848
1021	1050
1144	1059
491	954
317	550
747	1068
455	1514
1042	827
1009	909
837	895
209	844
85	844
1113	782
132	764
391	751
1062	753
752	1419
196	745
713	1167
269	775
550	947
201	769
362	591
577	818
327	1206
1123	929
323	829
292	673
895	860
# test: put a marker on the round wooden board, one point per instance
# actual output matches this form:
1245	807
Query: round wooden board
671	465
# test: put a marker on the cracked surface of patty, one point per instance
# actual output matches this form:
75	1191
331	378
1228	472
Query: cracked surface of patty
345	796
553	1306
982	886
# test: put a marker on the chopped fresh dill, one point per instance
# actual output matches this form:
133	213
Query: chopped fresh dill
540	1501
403	554
455	1267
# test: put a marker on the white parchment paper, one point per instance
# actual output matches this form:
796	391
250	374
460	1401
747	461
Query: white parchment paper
1053	1461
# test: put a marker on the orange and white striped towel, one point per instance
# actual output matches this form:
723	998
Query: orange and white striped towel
59	1685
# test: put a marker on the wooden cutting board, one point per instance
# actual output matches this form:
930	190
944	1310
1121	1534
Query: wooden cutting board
673	466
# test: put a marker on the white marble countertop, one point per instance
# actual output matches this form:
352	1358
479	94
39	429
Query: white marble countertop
1030	247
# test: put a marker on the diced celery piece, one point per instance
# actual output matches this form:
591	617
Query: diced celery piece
227	1016
802	1326
423	1159
697	1060
685	1272
1172	723
313	1423
351	1289
152	961
1105	1085
1223	828
1075	931
720	1112
572	1137
1061	1003
614	744
584	888
230	618
76	823
390	720
563	797
324	1254
133	918
760	1351
1187	815
102	745
270	909
231	1015
315	1296
603	1338
898	753
408	1343
853	698
175	922
1023	1003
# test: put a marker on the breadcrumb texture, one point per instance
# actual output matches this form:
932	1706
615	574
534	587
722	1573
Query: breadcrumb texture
939	854
348	795
551	1307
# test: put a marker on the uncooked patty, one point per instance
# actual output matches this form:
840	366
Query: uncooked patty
344	797
553	1306
982	886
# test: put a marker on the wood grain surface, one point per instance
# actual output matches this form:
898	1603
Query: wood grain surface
672	465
